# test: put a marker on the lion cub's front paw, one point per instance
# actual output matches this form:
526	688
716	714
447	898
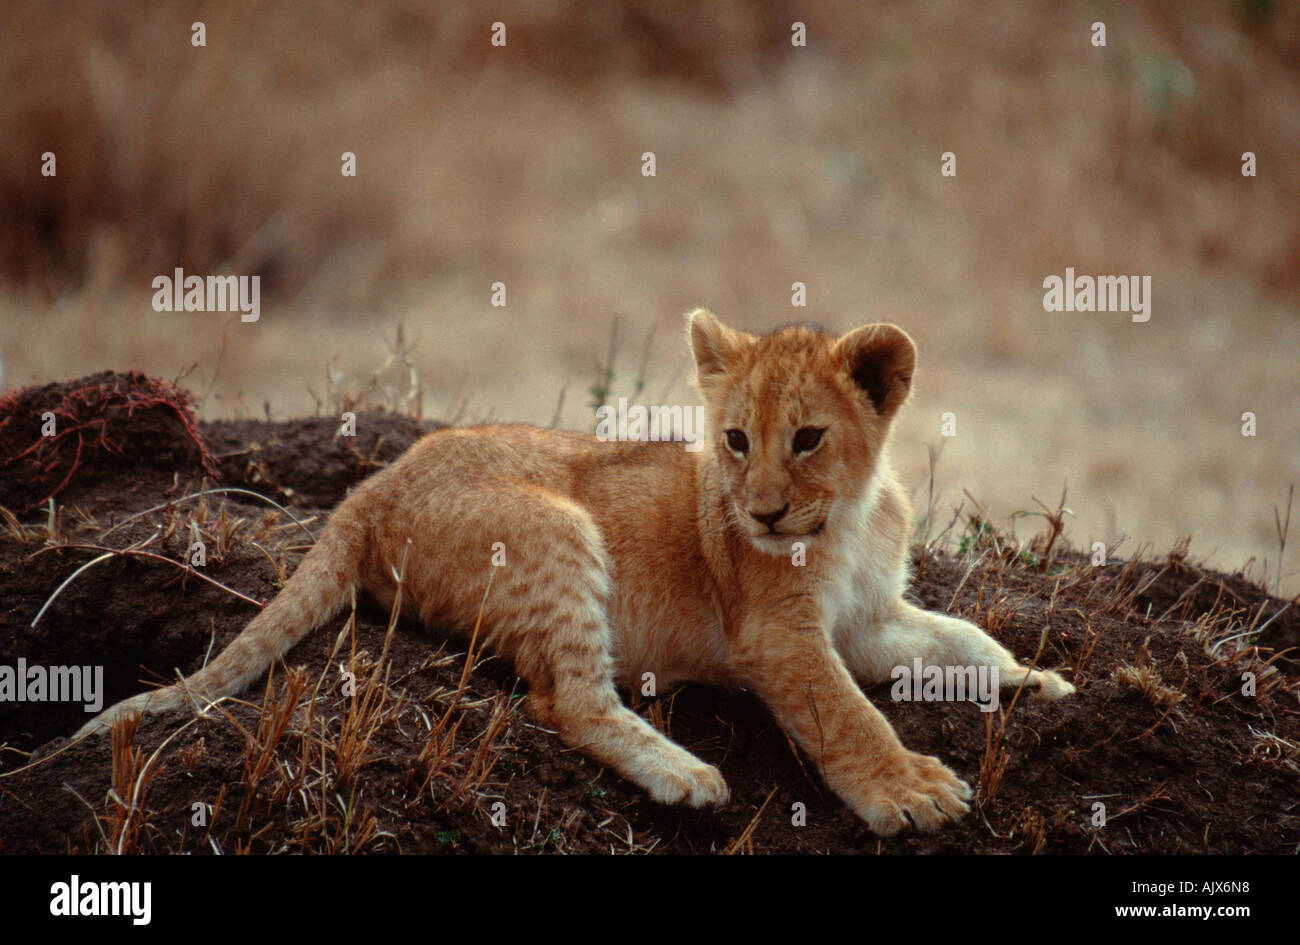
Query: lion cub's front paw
916	791
1047	686
687	781
1041	685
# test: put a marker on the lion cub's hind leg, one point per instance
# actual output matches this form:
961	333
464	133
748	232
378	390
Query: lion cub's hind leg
548	614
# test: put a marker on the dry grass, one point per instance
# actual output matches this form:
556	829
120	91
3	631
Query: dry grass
1146	678
307	743
745	843
988	594
125	815
1035	830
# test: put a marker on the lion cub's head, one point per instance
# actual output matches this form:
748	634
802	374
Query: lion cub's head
798	419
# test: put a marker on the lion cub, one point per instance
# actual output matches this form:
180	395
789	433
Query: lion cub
630	558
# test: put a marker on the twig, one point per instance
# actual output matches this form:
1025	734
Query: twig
112	552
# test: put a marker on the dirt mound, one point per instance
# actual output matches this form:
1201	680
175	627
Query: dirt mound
1181	727
309	462
69	441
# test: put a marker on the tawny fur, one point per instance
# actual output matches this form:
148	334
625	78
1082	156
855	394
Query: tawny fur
629	558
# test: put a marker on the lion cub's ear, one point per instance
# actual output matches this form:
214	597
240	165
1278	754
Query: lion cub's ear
714	344
880	359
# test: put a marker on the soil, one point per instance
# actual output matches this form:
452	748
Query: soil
1160	731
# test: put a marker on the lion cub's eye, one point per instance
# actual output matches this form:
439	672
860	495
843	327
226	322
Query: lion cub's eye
806	440
738	441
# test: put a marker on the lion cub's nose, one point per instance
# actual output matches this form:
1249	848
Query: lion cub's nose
771	518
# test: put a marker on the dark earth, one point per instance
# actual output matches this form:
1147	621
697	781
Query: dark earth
1160	731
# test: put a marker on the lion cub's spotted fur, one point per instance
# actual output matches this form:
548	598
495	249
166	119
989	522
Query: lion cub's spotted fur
628	558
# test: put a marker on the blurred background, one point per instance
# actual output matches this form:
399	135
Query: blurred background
775	164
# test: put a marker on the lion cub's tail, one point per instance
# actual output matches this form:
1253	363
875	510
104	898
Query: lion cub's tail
318	590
